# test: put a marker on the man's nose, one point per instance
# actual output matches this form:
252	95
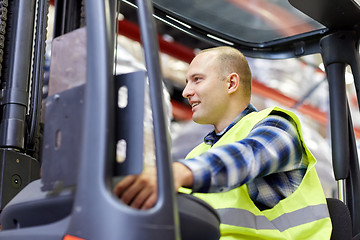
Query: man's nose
187	91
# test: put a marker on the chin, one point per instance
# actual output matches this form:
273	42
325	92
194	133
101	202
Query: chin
200	120
195	119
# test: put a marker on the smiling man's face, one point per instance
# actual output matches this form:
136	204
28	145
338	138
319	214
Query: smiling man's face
206	89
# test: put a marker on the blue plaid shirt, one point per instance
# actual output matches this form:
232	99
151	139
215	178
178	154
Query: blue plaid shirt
270	160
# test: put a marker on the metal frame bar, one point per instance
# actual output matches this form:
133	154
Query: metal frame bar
338	50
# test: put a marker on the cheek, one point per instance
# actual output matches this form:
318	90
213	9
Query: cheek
218	104
219	100
218	93
213	89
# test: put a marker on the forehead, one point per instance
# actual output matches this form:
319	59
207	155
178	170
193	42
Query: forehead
202	63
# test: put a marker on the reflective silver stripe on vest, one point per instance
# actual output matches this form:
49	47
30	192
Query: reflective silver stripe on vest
244	218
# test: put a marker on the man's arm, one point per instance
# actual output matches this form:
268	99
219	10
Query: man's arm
140	191
272	146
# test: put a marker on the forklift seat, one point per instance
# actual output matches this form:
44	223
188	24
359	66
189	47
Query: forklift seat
340	219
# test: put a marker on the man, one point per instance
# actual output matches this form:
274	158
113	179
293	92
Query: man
254	168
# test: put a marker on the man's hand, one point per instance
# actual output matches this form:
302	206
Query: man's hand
140	191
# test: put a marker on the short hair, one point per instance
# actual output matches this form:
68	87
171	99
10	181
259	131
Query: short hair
231	60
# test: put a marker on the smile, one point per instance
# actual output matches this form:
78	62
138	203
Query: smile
194	104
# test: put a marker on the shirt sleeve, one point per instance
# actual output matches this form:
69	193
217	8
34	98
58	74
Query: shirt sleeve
272	146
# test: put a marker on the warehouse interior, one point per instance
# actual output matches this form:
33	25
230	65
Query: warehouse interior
288	71
296	84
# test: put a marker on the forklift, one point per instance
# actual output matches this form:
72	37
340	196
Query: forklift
59	154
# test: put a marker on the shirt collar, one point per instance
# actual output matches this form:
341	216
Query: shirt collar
213	137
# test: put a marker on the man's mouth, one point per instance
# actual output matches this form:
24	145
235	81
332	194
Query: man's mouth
194	104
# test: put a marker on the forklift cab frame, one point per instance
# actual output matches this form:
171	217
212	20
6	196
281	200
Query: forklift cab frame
96	214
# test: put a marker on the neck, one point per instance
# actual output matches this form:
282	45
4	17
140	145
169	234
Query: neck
229	118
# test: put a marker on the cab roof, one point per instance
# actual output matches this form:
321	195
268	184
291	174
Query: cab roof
273	29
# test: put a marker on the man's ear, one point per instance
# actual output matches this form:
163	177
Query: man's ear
233	82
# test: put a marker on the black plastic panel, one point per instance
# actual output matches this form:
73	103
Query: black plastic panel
62	138
129	123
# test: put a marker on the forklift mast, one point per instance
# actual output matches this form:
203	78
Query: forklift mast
22	49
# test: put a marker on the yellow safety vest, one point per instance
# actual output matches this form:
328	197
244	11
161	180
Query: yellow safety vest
302	215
